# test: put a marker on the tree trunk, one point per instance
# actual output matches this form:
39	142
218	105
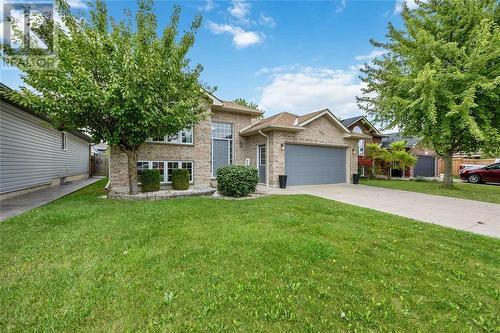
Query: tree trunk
132	170
448	170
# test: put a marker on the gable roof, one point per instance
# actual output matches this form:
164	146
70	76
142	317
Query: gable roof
41	116
292	122
283	120
230	106
411	141
349	121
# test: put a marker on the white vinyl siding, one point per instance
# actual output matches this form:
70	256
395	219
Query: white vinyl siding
31	154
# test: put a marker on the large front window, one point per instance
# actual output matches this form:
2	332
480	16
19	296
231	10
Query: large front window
182	137
222	145
170	166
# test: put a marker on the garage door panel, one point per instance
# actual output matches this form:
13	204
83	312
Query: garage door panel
425	166
308	165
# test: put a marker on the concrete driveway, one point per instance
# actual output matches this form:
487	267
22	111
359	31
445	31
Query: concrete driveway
474	216
25	202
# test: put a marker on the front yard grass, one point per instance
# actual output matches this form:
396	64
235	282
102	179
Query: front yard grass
479	192
274	264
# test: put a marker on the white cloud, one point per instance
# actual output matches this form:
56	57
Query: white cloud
208	6
77	4
307	89
239	9
267	20
341	6
398	7
369	57
241	37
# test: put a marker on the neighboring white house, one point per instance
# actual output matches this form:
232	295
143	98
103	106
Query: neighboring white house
33	153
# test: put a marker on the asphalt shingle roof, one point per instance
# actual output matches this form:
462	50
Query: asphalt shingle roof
349	121
411	141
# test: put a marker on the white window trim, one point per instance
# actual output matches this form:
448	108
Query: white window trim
358	129
165	139
64	140
165	169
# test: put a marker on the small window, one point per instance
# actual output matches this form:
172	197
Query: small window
262	156
64	140
160	166
171	167
222	131
182	137
357	129
141	166
361	147
189	167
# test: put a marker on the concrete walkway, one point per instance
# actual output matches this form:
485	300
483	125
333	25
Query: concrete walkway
25	202
474	216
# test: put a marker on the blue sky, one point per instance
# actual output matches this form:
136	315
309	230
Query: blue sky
295	56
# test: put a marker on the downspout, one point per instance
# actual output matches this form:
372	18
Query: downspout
267	157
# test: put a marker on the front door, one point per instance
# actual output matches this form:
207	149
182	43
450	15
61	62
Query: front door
220	154
262	164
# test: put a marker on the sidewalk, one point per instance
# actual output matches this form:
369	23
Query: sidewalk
25	202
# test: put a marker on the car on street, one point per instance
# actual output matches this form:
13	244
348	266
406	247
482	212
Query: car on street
486	174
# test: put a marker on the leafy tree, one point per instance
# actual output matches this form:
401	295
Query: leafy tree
401	159
374	152
439	77
244	102
119	81
384	159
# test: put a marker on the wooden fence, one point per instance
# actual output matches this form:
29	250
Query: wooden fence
99	165
458	161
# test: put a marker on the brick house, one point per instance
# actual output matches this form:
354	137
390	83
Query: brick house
360	124
427	159
316	148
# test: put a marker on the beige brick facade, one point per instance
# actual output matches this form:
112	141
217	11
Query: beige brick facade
321	131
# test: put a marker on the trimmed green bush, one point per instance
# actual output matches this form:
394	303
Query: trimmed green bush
180	179
150	180
237	180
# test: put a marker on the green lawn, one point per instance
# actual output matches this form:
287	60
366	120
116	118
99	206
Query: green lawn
274	264
479	192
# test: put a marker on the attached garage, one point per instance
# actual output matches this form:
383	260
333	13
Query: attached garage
425	167
312	165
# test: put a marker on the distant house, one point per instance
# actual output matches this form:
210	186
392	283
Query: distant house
427	161
361	125
33	153
99	148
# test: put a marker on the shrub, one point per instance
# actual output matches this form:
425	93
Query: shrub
150	180
237	180
420	179
180	179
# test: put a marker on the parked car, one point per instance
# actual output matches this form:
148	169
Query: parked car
470	166
489	173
